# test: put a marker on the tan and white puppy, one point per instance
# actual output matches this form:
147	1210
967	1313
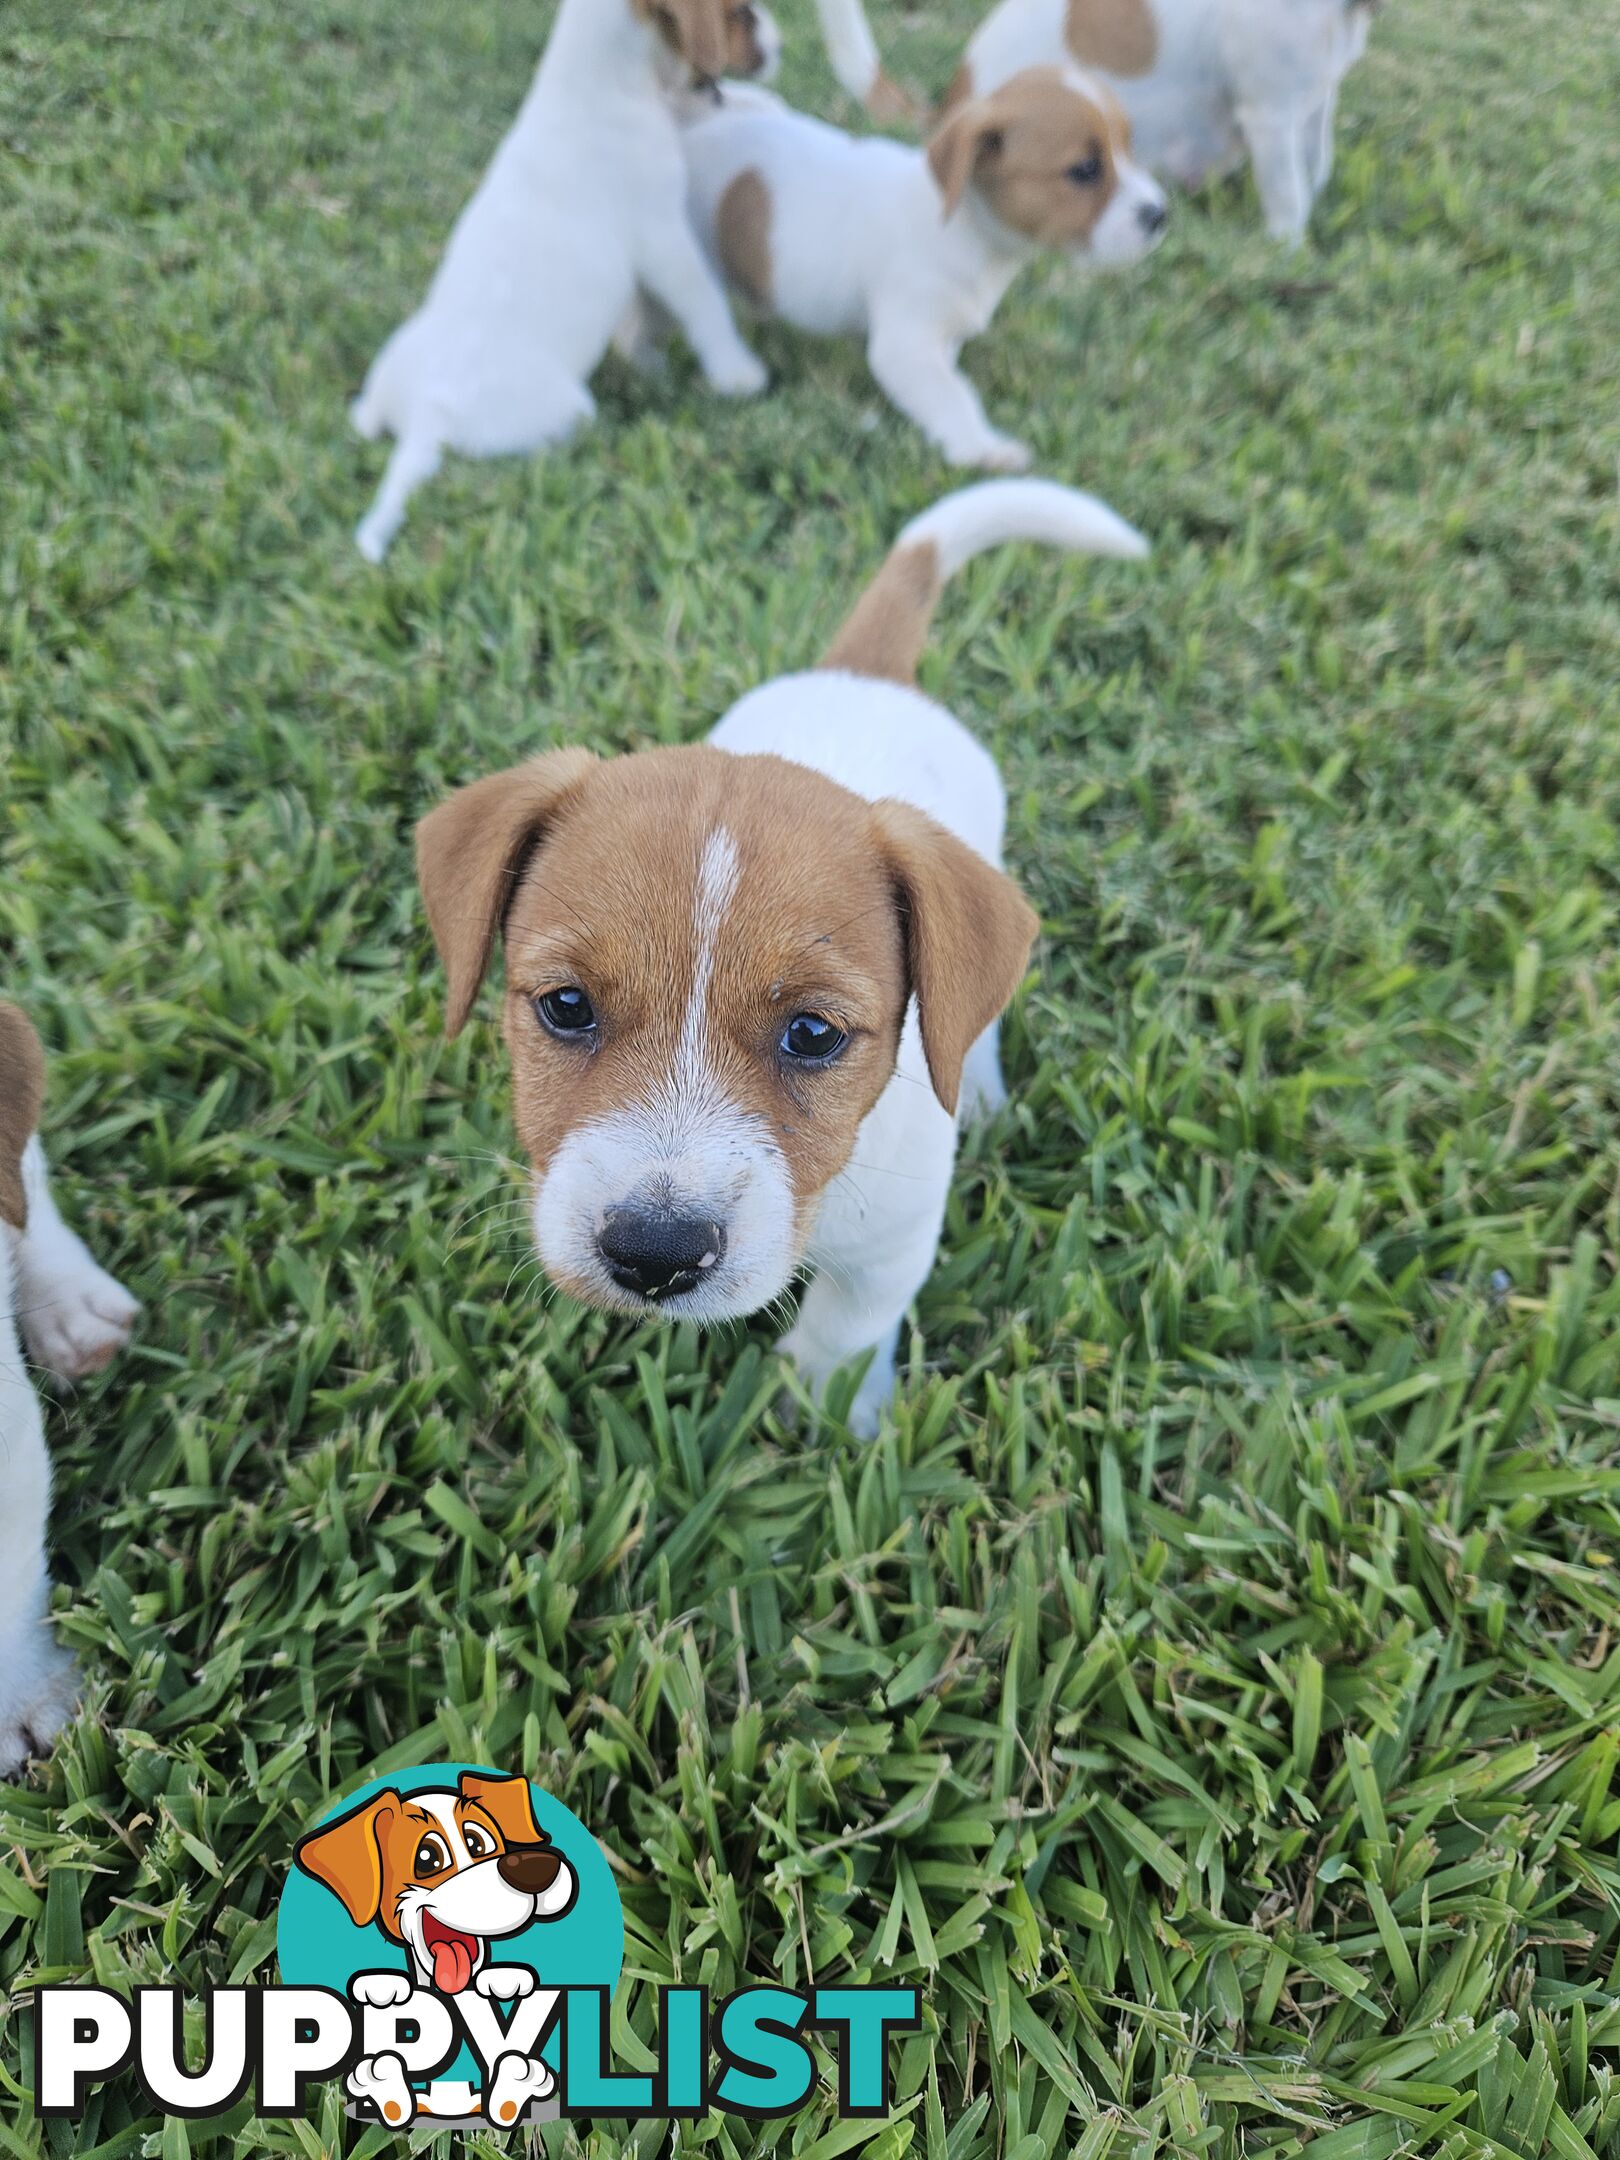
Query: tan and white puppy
582	206
913	250
444	1873
1205	82
750	983
73	1317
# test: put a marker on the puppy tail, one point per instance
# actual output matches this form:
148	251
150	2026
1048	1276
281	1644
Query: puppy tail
853	52
888	626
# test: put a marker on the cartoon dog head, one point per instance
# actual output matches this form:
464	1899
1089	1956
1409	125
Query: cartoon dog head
443	1872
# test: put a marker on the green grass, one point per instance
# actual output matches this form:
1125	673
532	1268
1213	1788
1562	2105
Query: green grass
1208	1686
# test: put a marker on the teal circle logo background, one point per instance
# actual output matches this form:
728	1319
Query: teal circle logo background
318	1945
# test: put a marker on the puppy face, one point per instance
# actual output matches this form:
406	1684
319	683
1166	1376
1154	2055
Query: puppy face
22	1095
708	964
1049	154
715	37
443	1872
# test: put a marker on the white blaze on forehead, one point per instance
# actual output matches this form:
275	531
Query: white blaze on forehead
442	1807
719	870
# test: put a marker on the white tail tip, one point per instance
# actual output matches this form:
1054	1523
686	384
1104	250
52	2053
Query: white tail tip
993	511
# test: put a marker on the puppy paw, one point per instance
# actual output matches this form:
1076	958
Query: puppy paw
1002	453
518	2079
743	375
380	1990
75	1317
506	1983
39	1685
380	2079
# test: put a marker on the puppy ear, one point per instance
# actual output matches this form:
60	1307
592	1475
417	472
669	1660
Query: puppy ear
470	853
954	152
968	932
707	41
22	1096
346	1855
506	1801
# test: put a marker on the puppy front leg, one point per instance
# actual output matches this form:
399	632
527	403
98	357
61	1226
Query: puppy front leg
1276	143
36	1676
1319	131
922	378
677	276
75	1317
853	1307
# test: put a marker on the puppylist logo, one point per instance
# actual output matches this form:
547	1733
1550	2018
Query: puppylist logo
449	1941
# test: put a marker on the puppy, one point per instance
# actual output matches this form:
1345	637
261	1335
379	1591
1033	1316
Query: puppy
749	983
1204	82
444	1873
912	250
73	1317
581	206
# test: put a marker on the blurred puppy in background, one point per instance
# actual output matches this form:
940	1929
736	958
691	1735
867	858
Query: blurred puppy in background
750	983
73	1317
913	250
582	206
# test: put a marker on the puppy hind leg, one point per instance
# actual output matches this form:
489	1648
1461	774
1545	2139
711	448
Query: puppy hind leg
416	459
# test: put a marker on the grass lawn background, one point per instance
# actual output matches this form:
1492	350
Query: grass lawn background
1208	1686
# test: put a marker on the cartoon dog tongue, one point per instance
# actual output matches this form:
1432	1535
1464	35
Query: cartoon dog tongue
452	1957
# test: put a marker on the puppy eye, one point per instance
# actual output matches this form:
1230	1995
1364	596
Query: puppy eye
432	1856
567	1011
811	1040
1087	173
477	1844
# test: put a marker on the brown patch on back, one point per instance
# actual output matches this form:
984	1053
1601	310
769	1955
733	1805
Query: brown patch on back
743	233
885	631
22	1097
1019	146
958	92
1119	36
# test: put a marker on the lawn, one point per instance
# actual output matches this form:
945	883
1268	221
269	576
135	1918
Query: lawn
1207	1687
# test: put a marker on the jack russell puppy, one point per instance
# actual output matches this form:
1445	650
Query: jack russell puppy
582	206
73	1317
750	983
911	249
443	1874
1204	82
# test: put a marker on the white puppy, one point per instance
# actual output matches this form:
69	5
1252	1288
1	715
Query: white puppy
913	250
73	1317
1203	81
749	982
582	205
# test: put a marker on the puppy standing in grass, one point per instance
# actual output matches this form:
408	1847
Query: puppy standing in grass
582	205
913	251
74	1318
1204	81
750	983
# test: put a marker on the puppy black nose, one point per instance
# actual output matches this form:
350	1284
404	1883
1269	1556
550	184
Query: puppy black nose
531	1868
658	1254
1153	216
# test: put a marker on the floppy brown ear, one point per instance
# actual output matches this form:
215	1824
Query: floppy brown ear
971	133
968	933
22	1097
470	852
346	1855
506	1801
